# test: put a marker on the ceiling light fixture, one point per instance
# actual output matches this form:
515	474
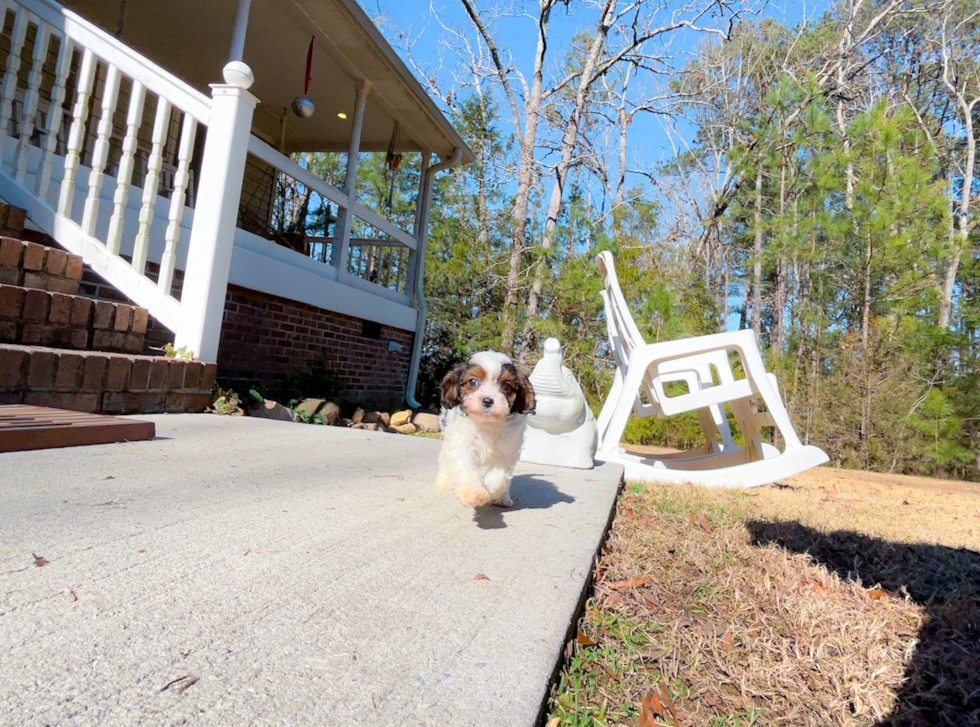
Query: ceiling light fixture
341	115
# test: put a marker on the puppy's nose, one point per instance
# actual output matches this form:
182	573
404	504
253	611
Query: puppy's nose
488	403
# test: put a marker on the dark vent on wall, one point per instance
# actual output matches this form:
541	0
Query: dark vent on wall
371	329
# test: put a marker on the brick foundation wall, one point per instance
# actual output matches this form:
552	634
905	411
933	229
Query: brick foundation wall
266	338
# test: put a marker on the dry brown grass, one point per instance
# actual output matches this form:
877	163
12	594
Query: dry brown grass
838	598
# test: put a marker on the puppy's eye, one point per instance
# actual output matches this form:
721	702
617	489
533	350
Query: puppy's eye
506	388
472	383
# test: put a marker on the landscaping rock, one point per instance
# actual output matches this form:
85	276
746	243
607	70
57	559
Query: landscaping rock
358	417
426	422
311	406
373	427
331	415
407	428
372	417
272	410
384	418
401	417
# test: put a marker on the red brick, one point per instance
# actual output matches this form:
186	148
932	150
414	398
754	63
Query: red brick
37	334
11	276
124	316
40	371
109	341
14	218
159	374
60	311
118	377
176	378
36	304
140	318
11	397
93	376
81	311
208	376
61	285
192	374
63	400
34	256
11	301
8	332
140	378
132	343
115	402
13	368
38	281
105	313
183	401
74	267
69	376
78	339
54	263
11	252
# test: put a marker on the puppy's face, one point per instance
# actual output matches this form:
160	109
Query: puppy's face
488	388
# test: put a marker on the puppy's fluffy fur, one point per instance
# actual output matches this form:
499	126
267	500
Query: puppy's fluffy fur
485	406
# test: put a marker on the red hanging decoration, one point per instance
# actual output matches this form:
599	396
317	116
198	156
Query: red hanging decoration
309	67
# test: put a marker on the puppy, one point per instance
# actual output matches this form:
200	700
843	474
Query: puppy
485	403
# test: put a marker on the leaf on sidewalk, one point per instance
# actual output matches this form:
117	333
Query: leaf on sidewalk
40	560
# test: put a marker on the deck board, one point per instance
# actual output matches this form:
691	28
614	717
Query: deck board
25	428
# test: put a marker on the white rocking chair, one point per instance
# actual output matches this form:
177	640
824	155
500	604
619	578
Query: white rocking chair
702	365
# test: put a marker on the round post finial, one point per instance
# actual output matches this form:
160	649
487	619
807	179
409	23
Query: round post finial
237	73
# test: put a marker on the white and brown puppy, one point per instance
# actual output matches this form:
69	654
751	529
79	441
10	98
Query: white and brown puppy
485	406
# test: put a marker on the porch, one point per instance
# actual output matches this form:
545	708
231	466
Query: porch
180	196
284	574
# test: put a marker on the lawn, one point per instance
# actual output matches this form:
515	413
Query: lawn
834	598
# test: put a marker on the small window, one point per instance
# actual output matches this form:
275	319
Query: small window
371	329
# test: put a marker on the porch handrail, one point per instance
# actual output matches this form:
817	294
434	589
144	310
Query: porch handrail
266	153
110	50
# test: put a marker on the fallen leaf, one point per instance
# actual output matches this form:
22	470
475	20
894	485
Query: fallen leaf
39	560
690	518
651	600
480	577
185	681
668	702
653	653
585	640
613	675
875	593
70	593
712	701
612	599
817	587
906	501
726	642
626	585
569	650
705	525
651	707
553	722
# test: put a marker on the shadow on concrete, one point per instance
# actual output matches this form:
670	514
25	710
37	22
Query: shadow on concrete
528	493
942	680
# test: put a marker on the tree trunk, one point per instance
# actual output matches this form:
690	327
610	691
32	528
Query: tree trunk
755	318
569	142
778	342
962	225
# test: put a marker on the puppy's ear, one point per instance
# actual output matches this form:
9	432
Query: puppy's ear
450	387
524	401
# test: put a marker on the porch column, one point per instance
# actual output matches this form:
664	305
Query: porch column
238	32
342	227
212	237
421	199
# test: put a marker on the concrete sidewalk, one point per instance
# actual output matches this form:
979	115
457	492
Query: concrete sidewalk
302	575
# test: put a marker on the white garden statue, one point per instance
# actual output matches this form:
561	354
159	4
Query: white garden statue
562	430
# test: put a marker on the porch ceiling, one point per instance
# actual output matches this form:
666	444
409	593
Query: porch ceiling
191	38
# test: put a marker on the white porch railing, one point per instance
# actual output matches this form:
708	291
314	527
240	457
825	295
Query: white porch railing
65	197
120	194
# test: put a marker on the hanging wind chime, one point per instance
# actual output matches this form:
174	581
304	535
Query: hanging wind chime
302	105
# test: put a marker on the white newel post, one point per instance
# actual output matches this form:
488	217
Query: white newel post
212	237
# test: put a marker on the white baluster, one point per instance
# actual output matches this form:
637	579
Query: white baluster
137	100
161	124
177	202
55	114
9	88
41	40
100	153
76	137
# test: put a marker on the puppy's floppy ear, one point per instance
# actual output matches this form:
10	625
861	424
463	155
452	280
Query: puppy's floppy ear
524	401
450	387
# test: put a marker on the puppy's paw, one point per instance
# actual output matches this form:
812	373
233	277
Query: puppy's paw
472	496
443	483
502	501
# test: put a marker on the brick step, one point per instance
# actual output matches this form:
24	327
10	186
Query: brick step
44	318
97	382
37	266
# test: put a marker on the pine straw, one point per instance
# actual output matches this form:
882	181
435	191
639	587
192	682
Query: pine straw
785	613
